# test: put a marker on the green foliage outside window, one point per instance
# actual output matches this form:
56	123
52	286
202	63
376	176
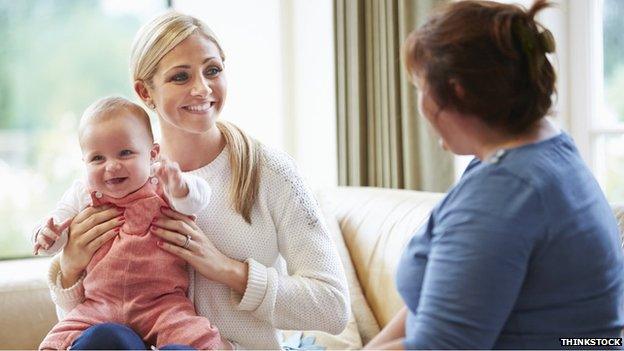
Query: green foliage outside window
56	57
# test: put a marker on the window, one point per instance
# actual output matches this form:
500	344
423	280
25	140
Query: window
596	80
608	131
56	58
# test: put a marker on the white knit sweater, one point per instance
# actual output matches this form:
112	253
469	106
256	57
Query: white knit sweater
295	279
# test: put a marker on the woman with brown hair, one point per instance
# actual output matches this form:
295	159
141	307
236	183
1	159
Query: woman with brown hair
524	250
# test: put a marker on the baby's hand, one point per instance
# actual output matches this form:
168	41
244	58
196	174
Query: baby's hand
170	174
49	234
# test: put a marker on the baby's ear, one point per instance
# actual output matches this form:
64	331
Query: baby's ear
154	152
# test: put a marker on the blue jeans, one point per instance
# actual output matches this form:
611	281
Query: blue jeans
111	336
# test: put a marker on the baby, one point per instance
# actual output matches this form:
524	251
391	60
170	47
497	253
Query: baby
130	280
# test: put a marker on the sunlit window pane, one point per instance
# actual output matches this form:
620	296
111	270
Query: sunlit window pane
609	148
609	156
56	57
613	30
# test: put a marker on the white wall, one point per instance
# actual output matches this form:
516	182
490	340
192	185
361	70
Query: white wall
249	33
280	70
313	89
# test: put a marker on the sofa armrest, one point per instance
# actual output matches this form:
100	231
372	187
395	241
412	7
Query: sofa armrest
27	309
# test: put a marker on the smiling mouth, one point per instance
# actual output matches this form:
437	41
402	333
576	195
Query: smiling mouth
115	181
199	108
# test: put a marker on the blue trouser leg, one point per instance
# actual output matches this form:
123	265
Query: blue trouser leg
108	336
176	347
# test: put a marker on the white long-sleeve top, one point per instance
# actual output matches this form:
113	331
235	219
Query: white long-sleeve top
77	198
295	279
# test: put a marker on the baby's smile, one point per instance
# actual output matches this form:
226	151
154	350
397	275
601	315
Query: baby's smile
115	181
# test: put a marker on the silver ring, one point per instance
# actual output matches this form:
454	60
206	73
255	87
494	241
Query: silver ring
187	242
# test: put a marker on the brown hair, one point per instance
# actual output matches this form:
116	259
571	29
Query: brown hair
497	54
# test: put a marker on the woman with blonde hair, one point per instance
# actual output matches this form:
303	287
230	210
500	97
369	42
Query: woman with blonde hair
261	258
524	251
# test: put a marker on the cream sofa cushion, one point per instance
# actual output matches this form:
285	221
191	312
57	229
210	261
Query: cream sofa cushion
27	310
618	212
376	226
362	313
350	338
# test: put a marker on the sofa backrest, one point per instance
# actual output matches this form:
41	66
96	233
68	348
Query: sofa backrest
618	211
27	310
376	225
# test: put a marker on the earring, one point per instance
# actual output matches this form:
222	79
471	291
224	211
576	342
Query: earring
151	105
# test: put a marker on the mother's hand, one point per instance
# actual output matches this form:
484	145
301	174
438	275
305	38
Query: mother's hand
183	238
88	231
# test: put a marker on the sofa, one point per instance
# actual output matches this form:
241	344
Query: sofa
370	227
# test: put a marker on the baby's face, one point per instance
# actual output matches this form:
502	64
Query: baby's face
118	154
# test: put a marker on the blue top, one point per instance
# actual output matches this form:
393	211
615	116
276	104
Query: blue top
524	250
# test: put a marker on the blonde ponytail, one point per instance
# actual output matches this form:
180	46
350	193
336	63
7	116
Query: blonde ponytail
245	158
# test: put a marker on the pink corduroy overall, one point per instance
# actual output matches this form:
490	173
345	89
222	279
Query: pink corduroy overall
132	281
